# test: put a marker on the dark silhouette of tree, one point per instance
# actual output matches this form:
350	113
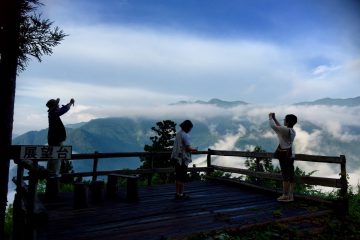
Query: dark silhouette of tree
66	167
22	34
265	165
260	165
163	141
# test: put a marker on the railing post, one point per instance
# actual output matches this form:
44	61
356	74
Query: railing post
344	186
33	180
151	167
208	163
19	217
257	161
95	164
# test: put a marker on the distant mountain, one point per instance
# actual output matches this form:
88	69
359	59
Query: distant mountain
128	135
349	102
113	135
76	125
215	102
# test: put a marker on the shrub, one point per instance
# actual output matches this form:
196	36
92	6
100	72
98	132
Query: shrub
9	222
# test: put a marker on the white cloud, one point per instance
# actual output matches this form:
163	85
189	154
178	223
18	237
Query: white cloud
323	70
226	142
307	143
44	89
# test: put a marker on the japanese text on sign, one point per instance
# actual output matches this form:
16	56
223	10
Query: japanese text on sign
45	152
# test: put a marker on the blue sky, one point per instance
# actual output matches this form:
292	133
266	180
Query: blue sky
127	57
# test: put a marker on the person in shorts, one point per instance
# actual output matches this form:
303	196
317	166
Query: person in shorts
286	135
181	154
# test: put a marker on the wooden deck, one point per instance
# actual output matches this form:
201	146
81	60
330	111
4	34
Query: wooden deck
157	215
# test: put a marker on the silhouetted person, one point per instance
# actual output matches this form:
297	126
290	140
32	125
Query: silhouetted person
56	137
286	135
182	153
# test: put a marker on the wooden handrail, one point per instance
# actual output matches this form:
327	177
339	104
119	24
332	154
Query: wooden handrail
298	157
326	182
338	183
134	171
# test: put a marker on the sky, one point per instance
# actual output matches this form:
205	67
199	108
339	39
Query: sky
135	57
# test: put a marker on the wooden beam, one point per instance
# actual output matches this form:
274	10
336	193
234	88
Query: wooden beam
298	157
327	182
134	171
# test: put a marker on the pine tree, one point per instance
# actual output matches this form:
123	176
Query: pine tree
163	141
22	34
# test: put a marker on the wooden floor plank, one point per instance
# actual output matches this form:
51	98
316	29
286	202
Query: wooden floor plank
157	214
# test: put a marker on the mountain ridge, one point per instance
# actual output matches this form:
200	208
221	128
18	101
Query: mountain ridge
349	102
213	101
131	135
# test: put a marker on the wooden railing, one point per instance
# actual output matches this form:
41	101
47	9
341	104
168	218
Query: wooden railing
340	182
27	192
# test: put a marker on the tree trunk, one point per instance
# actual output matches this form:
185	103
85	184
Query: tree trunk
9	47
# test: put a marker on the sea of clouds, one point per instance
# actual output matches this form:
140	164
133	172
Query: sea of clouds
330	120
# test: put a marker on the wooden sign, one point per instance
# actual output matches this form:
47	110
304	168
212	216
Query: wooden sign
44	152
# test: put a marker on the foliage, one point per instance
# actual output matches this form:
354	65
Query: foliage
301	187
219	173
66	187
354	205
41	186
266	165
66	167
37	37
196	176
162	141
9	222
260	165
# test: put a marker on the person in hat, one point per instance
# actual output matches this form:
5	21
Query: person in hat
181	153
56	133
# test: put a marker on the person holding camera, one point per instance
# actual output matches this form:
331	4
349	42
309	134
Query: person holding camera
56	136
285	153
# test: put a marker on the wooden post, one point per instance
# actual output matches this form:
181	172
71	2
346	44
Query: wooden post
132	189
19	217
208	163
52	188
33	180
131	186
96	160
257	160
151	167
344	186
97	191
80	195
111	186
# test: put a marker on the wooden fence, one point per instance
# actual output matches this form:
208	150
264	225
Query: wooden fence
26	211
